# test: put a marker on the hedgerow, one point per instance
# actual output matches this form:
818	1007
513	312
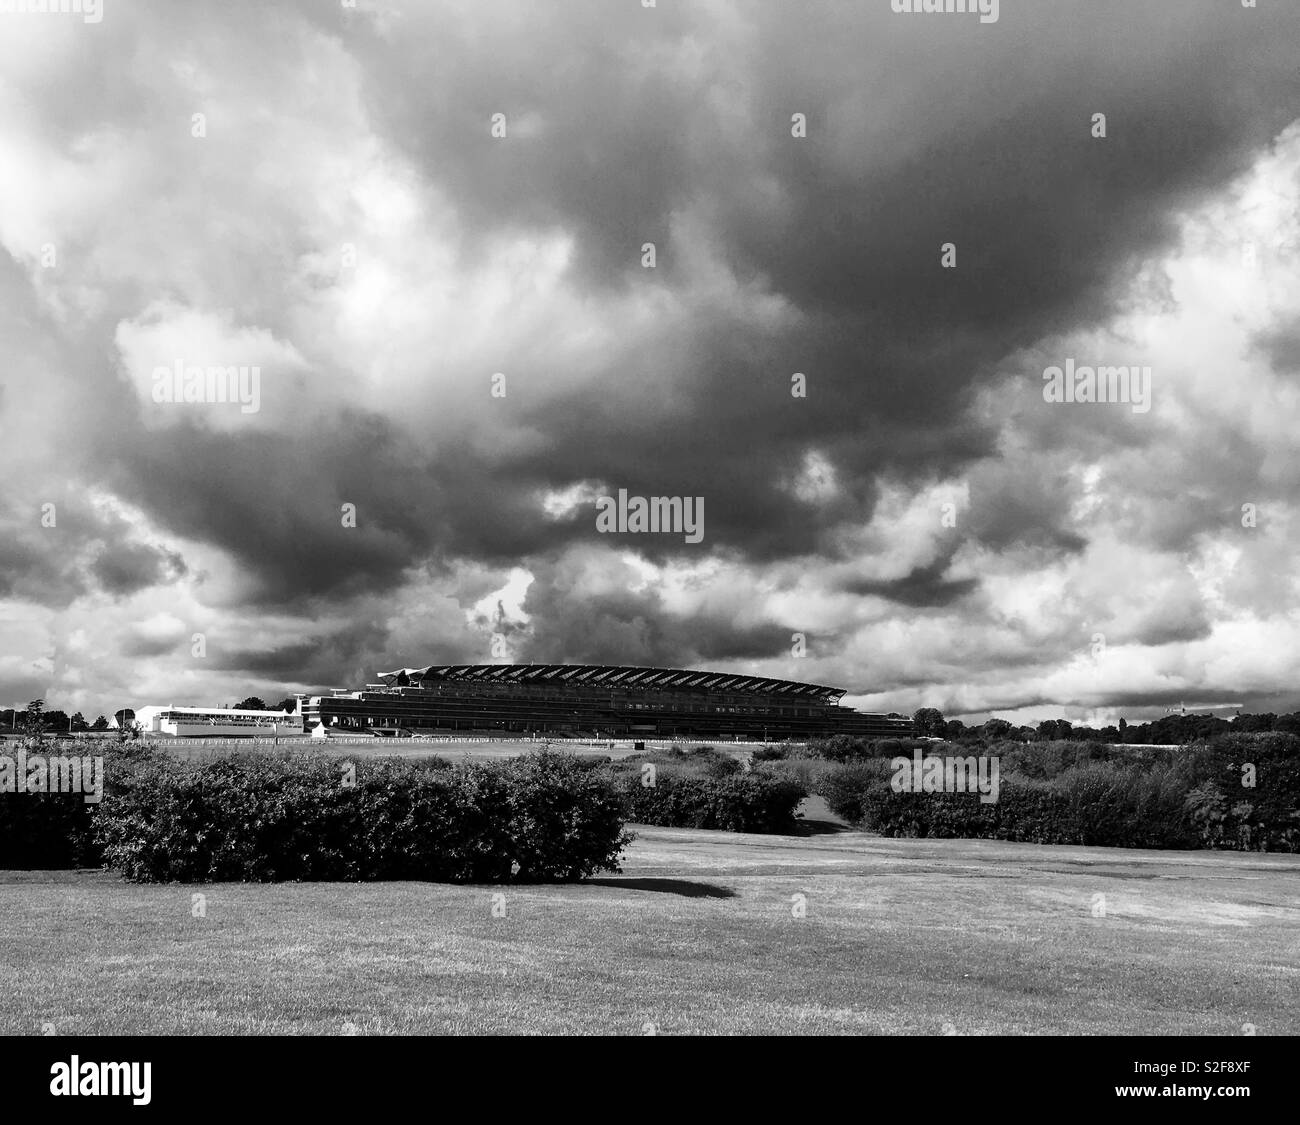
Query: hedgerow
1238	791
256	818
52	831
735	803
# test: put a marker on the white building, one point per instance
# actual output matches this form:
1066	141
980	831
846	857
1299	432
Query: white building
216	722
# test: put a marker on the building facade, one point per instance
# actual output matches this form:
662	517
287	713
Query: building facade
596	700
217	722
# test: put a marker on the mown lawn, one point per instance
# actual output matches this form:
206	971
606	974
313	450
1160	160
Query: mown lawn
697	936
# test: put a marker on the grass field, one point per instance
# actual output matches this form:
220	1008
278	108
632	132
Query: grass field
454	750
697	936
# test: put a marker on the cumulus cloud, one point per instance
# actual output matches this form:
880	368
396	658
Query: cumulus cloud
461	346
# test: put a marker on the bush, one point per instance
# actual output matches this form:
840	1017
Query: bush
49	831
712	762
706	760
840	748
769	754
699	761
1031	812
845	748
1094	794
738	803
256	818
1224	811
1048	760
565	820
844	787
550	816
804	772
1027	811
1124	805
44	831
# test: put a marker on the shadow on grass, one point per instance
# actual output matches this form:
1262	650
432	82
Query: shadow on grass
682	887
820	828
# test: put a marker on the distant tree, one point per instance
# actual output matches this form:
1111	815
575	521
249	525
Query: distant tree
1123	726
1287	724
252	703
929	721
1251	724
1181	729
838	748
953	729
99	724
78	722
1139	734
288	705
995	728
128	730
34	723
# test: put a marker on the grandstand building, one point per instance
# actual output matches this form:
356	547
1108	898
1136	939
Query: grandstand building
597	700
216	722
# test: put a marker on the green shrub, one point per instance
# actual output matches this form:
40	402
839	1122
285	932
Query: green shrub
839	748
1114	804
1048	760
257	818
772	754
804	772
44	831
699	761
565	820
1097	795
1227	812
737	803
48	831
846	748
844	787
712	762
1031	812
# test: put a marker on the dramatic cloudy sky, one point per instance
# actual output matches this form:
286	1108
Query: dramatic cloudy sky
348	223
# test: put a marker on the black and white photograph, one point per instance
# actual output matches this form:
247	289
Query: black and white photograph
560	519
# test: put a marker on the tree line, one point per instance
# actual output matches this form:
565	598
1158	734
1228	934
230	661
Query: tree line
60	722
1165	731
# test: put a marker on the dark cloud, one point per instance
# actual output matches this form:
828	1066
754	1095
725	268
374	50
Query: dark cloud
571	621
919	135
145	646
83	549
923	586
125	568
20	690
1281	346
30	570
777	255
350	655
996	157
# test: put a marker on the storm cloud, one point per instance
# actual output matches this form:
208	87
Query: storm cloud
871	234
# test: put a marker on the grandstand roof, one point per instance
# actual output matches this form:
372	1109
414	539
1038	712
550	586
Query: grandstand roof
609	675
